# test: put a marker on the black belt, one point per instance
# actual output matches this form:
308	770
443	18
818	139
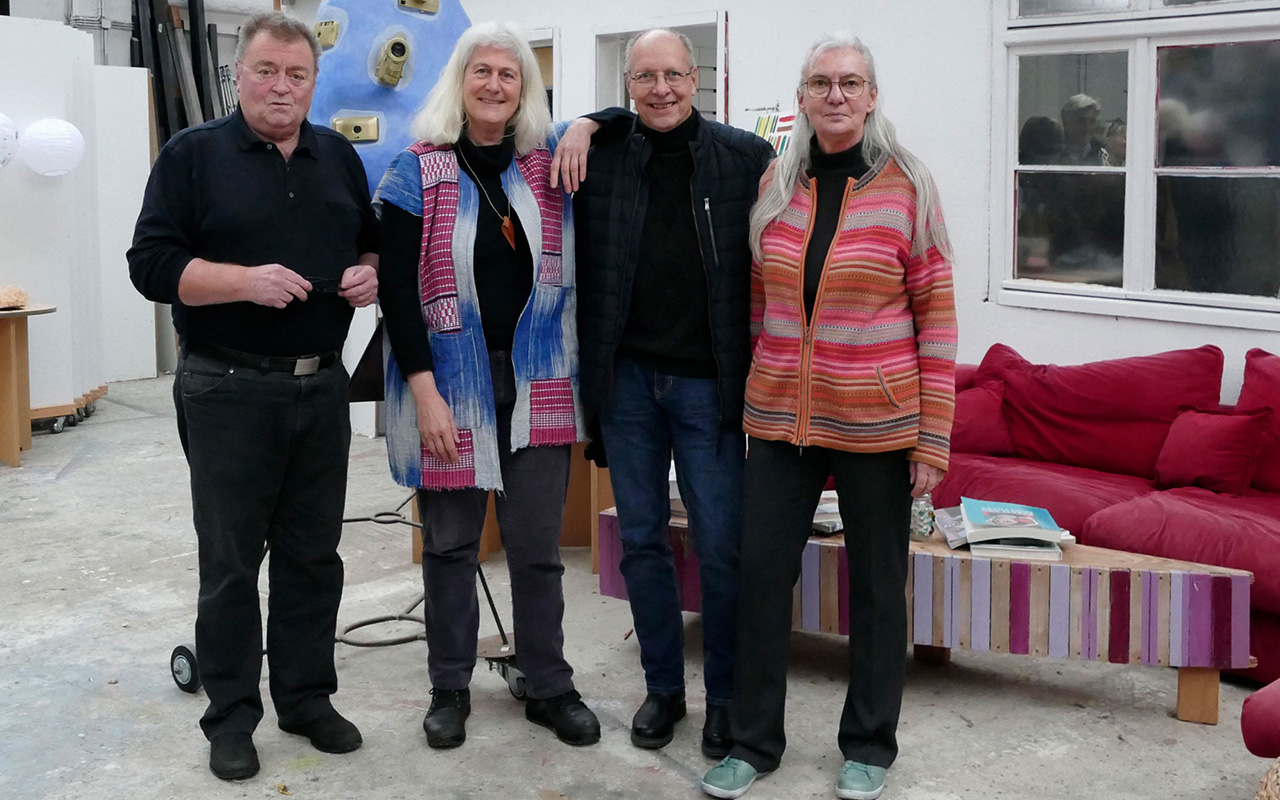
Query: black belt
294	365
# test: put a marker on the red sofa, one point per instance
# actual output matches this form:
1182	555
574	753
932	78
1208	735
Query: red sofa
1135	454
1260	721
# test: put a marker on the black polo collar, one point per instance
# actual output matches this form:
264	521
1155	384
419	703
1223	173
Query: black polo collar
247	139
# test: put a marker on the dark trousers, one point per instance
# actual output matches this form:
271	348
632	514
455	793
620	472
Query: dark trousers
652	418
783	485
530	509
268	457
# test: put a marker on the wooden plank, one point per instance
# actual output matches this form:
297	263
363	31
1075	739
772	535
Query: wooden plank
1137	590
200	68
601	499
1038	622
999	606
1165	580
829	572
922	599
938	632
797	606
1177	619
980	610
13	416
911	571
1098	557
182	51
964	604
810	580
1239	622
1103	604
1198	695
1075	641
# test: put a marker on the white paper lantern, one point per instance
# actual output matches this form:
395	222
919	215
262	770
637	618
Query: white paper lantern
52	147
8	139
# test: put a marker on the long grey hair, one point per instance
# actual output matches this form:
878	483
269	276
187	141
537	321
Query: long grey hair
443	116
879	138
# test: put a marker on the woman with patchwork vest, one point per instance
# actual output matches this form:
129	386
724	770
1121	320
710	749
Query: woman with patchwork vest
478	296
852	376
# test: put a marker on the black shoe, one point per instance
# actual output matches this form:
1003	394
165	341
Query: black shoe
567	715
654	724
329	733
232	756
446	720
717	740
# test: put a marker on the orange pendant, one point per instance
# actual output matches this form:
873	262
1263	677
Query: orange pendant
509	231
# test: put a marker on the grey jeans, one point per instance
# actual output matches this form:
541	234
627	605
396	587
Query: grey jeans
530	510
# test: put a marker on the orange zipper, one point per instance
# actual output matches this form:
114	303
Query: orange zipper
806	346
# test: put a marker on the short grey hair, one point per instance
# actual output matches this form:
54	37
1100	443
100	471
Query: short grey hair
280	26
1077	103
685	40
442	118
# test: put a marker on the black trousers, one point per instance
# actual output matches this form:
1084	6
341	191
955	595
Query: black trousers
782	487
530	510
268	456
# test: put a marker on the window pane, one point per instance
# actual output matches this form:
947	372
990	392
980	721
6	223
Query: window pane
1071	227
1220	105
1035	8
1194	2
1071	109
1218	235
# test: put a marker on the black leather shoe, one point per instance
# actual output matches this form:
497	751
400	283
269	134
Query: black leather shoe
329	733
717	740
232	756
654	725
446	720
567	715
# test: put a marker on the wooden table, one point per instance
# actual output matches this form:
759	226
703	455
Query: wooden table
1094	605
15	388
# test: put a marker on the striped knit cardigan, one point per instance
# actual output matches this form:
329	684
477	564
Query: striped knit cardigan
874	369
425	180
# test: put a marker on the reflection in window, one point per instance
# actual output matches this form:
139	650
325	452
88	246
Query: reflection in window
1071	227
1218	235
1033	8
1068	105
1219	105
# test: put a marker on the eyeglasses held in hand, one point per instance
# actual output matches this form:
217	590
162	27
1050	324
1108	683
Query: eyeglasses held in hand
325	285
851	86
671	76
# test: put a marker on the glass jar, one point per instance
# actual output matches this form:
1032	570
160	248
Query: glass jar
922	518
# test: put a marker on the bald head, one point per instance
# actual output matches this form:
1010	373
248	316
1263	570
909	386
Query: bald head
655	35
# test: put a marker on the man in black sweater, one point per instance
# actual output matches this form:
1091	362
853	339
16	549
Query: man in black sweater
664	295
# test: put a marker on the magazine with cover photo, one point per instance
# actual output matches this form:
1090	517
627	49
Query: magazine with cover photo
985	520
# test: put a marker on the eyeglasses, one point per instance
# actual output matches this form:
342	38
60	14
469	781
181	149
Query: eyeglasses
671	76
850	86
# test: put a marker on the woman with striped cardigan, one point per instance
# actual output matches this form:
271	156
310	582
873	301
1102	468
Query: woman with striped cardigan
852	376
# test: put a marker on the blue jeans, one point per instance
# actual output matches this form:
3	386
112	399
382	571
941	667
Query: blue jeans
650	418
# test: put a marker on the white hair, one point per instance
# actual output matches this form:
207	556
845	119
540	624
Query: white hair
879	138
443	117
684	40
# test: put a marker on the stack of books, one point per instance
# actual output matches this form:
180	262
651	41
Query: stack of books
1002	530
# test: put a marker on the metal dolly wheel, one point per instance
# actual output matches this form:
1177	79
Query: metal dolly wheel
498	651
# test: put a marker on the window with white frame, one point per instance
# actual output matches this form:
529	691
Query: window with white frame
1141	159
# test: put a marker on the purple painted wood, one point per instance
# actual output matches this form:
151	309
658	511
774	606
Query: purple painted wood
1019	608
1059	611
611	583
1177	619
810	596
1239	621
1089	615
1200	622
1118	627
844	592
980	604
950	578
923	591
1150	611
1220	616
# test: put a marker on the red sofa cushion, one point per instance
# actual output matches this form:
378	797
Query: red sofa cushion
1264	645
1197	525
1262	388
1217	450
979	425
964	376
1112	415
1260	721
1071	494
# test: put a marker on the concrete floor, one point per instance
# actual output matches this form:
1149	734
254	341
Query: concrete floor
99	558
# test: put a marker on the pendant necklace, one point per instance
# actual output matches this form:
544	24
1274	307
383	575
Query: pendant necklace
508	228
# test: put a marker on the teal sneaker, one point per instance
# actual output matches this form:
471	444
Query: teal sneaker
730	778
860	781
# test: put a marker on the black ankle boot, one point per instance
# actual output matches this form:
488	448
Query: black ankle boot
654	724
717	739
567	715
446	720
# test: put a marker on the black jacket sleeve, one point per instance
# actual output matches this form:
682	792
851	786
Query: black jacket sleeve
398	289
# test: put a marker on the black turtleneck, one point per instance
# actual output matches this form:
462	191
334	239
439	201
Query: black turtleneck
669	269
830	173
504	277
